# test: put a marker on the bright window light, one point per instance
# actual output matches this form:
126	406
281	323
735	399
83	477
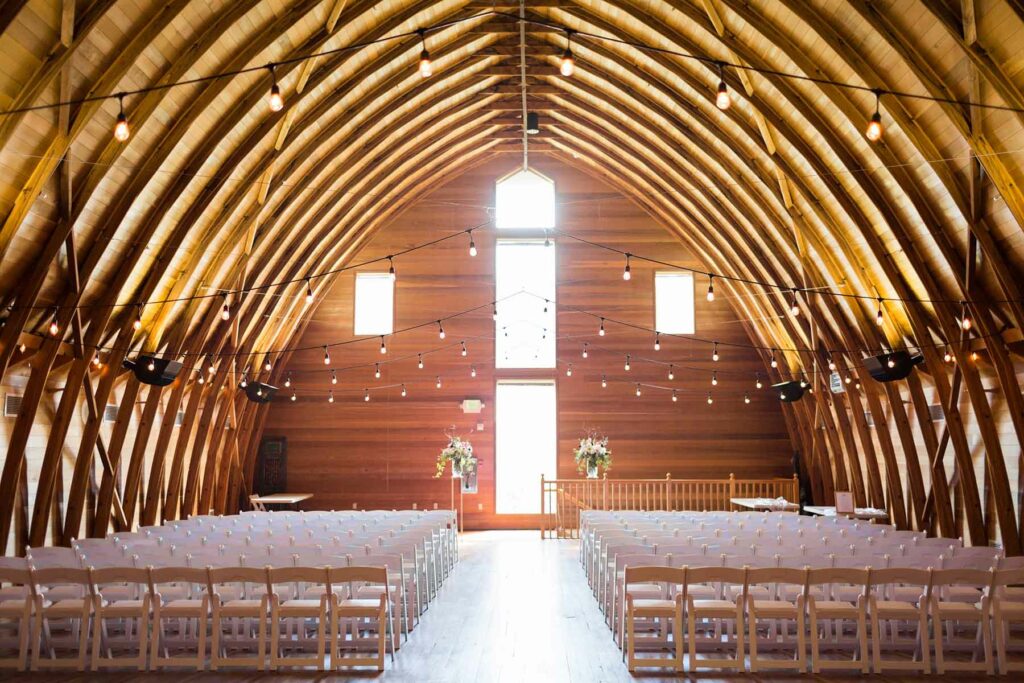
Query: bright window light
375	304
525	199
673	303
524	278
526	418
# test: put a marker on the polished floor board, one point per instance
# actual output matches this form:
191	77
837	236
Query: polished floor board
516	609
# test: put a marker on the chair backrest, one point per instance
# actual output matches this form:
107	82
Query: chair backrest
14	563
16	576
776	576
102	578
735	576
58	576
159	576
880	579
1016	562
974	578
1009	577
52	557
247	577
673	576
365	574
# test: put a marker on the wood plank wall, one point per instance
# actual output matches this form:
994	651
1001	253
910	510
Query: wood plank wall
381	453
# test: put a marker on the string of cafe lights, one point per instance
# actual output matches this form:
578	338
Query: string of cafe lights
723	98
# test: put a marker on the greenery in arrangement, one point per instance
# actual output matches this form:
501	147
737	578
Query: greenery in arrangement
592	452
459	452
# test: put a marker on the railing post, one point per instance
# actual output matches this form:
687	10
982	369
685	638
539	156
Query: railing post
668	485
732	490
604	492
542	535
796	489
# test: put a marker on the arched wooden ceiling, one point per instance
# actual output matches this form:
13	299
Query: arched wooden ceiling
213	192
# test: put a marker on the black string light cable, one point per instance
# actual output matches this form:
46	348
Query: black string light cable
714	63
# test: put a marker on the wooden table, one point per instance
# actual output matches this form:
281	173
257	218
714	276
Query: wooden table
769	504
858	513
279	499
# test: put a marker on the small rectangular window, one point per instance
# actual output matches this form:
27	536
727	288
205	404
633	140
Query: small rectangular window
673	302
374	303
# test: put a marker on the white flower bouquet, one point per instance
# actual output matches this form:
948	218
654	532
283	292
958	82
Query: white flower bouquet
593	452
459	453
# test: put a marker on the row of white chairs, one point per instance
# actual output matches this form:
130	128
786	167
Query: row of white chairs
417	549
737	616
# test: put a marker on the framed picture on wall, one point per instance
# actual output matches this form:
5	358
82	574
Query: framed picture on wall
844	503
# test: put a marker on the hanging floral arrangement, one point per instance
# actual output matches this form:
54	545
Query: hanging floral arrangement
459	453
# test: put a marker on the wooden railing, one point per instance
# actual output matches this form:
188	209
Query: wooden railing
562	500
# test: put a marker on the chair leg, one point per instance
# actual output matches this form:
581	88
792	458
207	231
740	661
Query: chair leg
986	640
753	642
97	638
37	637
940	660
801	644
214	639
691	640
862	639
630	640
815	660
1001	628
926	661
83	638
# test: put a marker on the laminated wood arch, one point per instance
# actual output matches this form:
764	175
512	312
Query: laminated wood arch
214	193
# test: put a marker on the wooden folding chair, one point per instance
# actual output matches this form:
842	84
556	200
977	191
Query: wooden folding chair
76	611
193	605
723	607
949	609
669	606
312	602
370	612
831	607
120	594
17	608
1007	610
244	608
902	614
773	607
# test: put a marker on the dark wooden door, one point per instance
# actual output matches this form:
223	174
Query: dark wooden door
272	467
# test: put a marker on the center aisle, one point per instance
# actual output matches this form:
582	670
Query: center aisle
516	609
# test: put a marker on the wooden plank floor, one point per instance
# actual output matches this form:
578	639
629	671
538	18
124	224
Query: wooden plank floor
516	609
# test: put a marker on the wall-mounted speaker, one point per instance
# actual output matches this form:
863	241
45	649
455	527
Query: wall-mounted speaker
889	367
156	371
258	392
789	391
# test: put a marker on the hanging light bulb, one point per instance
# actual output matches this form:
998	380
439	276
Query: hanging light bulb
440	330
137	323
472	371
965	317
568	371
54	326
848	379
274	101
803	382
330	396
891	362
96	361
711	287
638	389
210	368
472	244
657	341
403	391
675	397
121	130
383	346
464	350
746	397
259	390
757	380
420	364
794	306
376	370
494	313
568	64
831	364
309	292
199	378
774	362
366	395
288	381
604	382
722	99
266	363
974	355
671	373
294	397
334	377
600	331
245	381
626	366
151	365
438	381
714	378
626	275
426	69
545	305
225	311
948	357
710	400
875	129
327	356
879	318
391	268
714	352
584	349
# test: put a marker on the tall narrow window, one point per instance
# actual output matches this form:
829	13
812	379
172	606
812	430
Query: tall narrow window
374	304
525	288
673	302
525	199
